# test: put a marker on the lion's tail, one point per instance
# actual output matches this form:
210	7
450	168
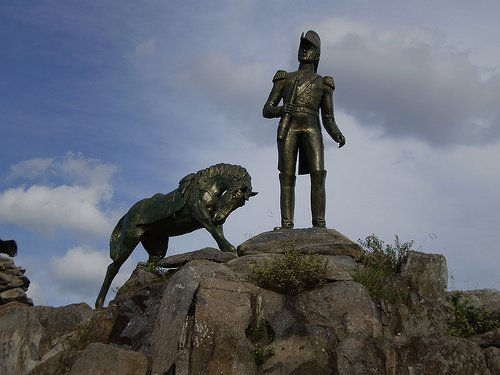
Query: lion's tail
114	241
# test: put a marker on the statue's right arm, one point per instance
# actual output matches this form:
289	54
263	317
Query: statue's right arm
271	108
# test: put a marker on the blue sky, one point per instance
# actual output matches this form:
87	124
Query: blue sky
105	103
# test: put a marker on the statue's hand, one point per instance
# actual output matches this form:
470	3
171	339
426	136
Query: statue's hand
288	108
339	138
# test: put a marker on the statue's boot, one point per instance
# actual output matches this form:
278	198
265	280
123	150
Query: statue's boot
287	200
318	198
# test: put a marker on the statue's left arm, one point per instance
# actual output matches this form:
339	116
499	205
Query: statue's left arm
327	112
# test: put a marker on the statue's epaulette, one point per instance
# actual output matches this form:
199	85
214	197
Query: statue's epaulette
329	81
280	74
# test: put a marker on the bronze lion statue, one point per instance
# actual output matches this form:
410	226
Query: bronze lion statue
203	200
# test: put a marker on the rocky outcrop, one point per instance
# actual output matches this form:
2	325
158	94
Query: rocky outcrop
13	283
208	316
207	253
484	298
306	241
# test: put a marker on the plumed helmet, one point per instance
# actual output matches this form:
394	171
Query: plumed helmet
312	37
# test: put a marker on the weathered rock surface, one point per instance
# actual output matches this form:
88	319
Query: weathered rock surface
207	253
484	298
493	360
491	338
13	283
307	241
209	317
105	359
31	335
449	355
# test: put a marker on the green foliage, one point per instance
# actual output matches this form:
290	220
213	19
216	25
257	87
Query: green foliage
261	335
378	284
262	353
161	274
380	266
389	258
467	320
291	273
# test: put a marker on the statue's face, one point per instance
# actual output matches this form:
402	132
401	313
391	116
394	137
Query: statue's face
307	53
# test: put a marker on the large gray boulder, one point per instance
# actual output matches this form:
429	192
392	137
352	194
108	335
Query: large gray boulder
306	241
424	312
484	298
207	253
105	359
448	355
176	309
31	335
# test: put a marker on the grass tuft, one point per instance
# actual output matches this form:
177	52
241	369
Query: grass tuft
291	273
380	266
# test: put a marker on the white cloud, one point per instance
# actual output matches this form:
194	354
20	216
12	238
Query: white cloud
75	204
37	293
47	209
29	168
236	88
81	271
410	83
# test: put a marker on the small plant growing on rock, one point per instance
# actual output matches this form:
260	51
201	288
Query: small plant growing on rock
291	273
261	335
467	320
380	266
262	353
161	274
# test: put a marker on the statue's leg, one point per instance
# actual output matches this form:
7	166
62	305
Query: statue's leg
156	245
125	249
318	198
224	244
312	145
218	235
287	199
287	151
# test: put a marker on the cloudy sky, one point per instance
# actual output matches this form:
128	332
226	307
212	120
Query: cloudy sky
105	103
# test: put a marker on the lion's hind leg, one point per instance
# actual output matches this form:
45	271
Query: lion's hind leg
120	254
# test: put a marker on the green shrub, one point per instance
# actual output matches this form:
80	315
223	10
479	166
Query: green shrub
291	273
467	320
379	267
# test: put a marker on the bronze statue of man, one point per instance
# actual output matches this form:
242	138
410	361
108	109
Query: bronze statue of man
303	93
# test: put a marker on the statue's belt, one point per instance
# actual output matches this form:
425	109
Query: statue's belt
307	110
